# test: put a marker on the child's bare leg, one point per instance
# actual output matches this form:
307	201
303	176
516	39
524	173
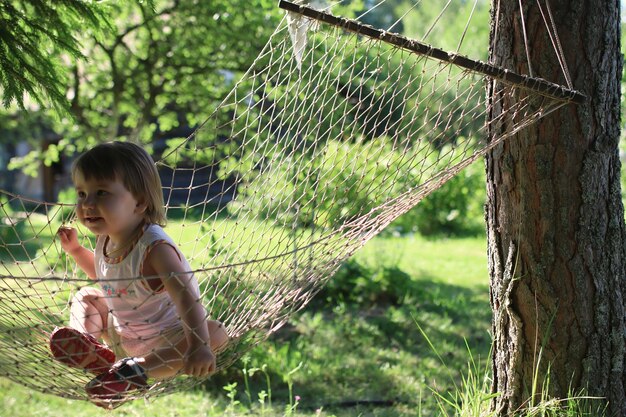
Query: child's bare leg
76	345
167	361
89	312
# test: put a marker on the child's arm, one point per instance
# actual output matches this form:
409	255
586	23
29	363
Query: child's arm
199	360
83	256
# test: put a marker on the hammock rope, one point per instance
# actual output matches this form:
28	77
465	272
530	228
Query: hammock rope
316	150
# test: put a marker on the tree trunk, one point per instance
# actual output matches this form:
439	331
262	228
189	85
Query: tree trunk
555	220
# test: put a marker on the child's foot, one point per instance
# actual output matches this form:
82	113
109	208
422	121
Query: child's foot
109	389
80	350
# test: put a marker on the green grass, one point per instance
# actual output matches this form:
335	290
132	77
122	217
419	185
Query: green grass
460	262
421	354
341	359
414	343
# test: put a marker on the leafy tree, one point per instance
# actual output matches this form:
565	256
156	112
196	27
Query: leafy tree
157	70
453	26
368	99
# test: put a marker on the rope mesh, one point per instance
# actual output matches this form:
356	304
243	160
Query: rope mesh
307	159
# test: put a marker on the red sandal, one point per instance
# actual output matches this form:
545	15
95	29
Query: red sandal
73	348
112	388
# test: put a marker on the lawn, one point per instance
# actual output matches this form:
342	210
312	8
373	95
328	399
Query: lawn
346	354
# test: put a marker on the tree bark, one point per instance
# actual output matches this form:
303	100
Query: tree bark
555	220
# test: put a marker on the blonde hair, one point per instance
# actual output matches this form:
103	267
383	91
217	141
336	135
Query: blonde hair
133	166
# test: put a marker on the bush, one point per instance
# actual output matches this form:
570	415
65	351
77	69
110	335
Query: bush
356	284
347	180
335	185
456	209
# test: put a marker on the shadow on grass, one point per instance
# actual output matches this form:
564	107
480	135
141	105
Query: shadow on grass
372	353
19	251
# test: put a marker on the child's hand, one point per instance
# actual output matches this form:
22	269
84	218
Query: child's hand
199	361
69	239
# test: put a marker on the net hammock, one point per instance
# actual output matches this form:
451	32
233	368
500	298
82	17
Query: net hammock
337	129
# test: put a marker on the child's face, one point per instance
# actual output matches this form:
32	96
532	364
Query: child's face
106	207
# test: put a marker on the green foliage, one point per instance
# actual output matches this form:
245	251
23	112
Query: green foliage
36	36
435	22
355	169
159	67
345	173
357	284
456	209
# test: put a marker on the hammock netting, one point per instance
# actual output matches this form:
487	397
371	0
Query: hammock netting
336	130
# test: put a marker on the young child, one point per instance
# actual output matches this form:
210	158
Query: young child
156	322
